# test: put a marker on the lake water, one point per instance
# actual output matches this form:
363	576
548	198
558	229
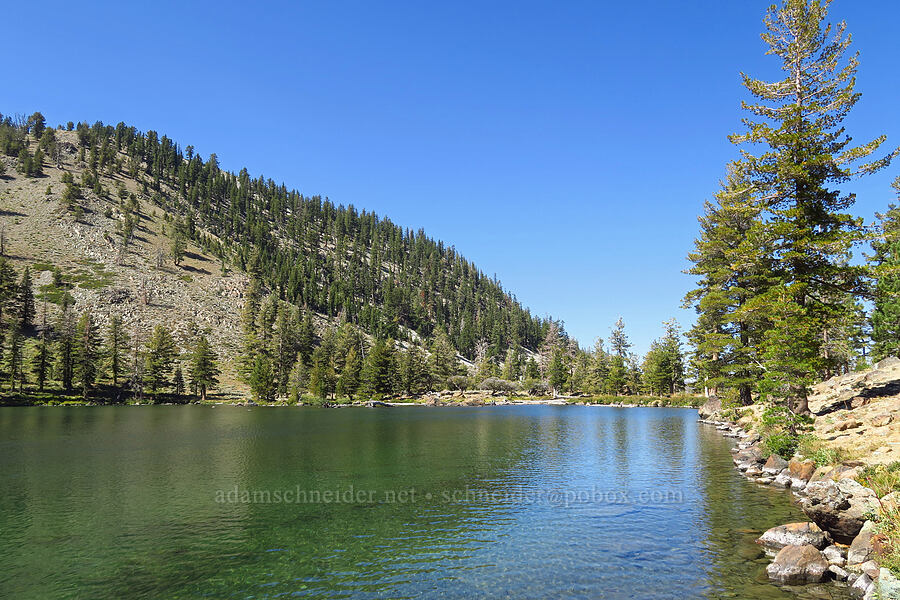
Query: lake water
499	502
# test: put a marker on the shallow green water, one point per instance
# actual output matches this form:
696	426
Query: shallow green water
503	502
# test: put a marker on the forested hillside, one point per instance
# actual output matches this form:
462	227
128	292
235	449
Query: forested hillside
132	268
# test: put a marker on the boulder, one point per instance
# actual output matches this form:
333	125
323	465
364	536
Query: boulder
750	455
821	474
848	424
834	556
870	568
795	534
801	469
839	508
889	503
882	420
782	480
861	584
839	573
710	408
798	485
861	549
775	465
797	565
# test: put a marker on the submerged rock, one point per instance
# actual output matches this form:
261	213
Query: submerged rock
798	564
795	534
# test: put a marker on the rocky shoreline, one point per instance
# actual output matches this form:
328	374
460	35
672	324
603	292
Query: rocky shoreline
839	542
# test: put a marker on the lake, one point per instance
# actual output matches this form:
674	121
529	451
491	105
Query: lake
499	502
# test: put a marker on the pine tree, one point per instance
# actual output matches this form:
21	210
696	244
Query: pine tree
886	268
115	349
379	370
286	346
413	371
806	153
26	300
202	368
160	358
65	346
442	364
85	352
262	380
557	372
13	358
41	357
732	261
178	381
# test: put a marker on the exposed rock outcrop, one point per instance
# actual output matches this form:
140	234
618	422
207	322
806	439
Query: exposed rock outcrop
839	507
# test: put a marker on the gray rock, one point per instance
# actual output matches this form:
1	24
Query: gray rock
798	485
765	480
861	584
861	549
834	556
795	534
839	573
782	480
839	508
775	465
795	565
710	408
870	568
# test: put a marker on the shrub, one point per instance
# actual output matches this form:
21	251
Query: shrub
536	387
781	443
883	479
814	449
496	384
458	382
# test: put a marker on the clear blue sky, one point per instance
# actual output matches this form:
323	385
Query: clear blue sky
565	146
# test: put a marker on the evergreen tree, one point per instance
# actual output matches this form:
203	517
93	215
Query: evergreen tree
202	368
379	370
323	375
178	380
65	346
26	301
886	268
556	372
13	358
262	380
732	261
413	371
532	371
160	358
806	153
41	357
115	349
85	352
442	364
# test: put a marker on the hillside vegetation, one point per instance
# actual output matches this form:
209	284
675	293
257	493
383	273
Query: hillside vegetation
144	251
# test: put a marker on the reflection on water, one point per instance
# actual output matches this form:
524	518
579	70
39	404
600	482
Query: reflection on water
519	502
